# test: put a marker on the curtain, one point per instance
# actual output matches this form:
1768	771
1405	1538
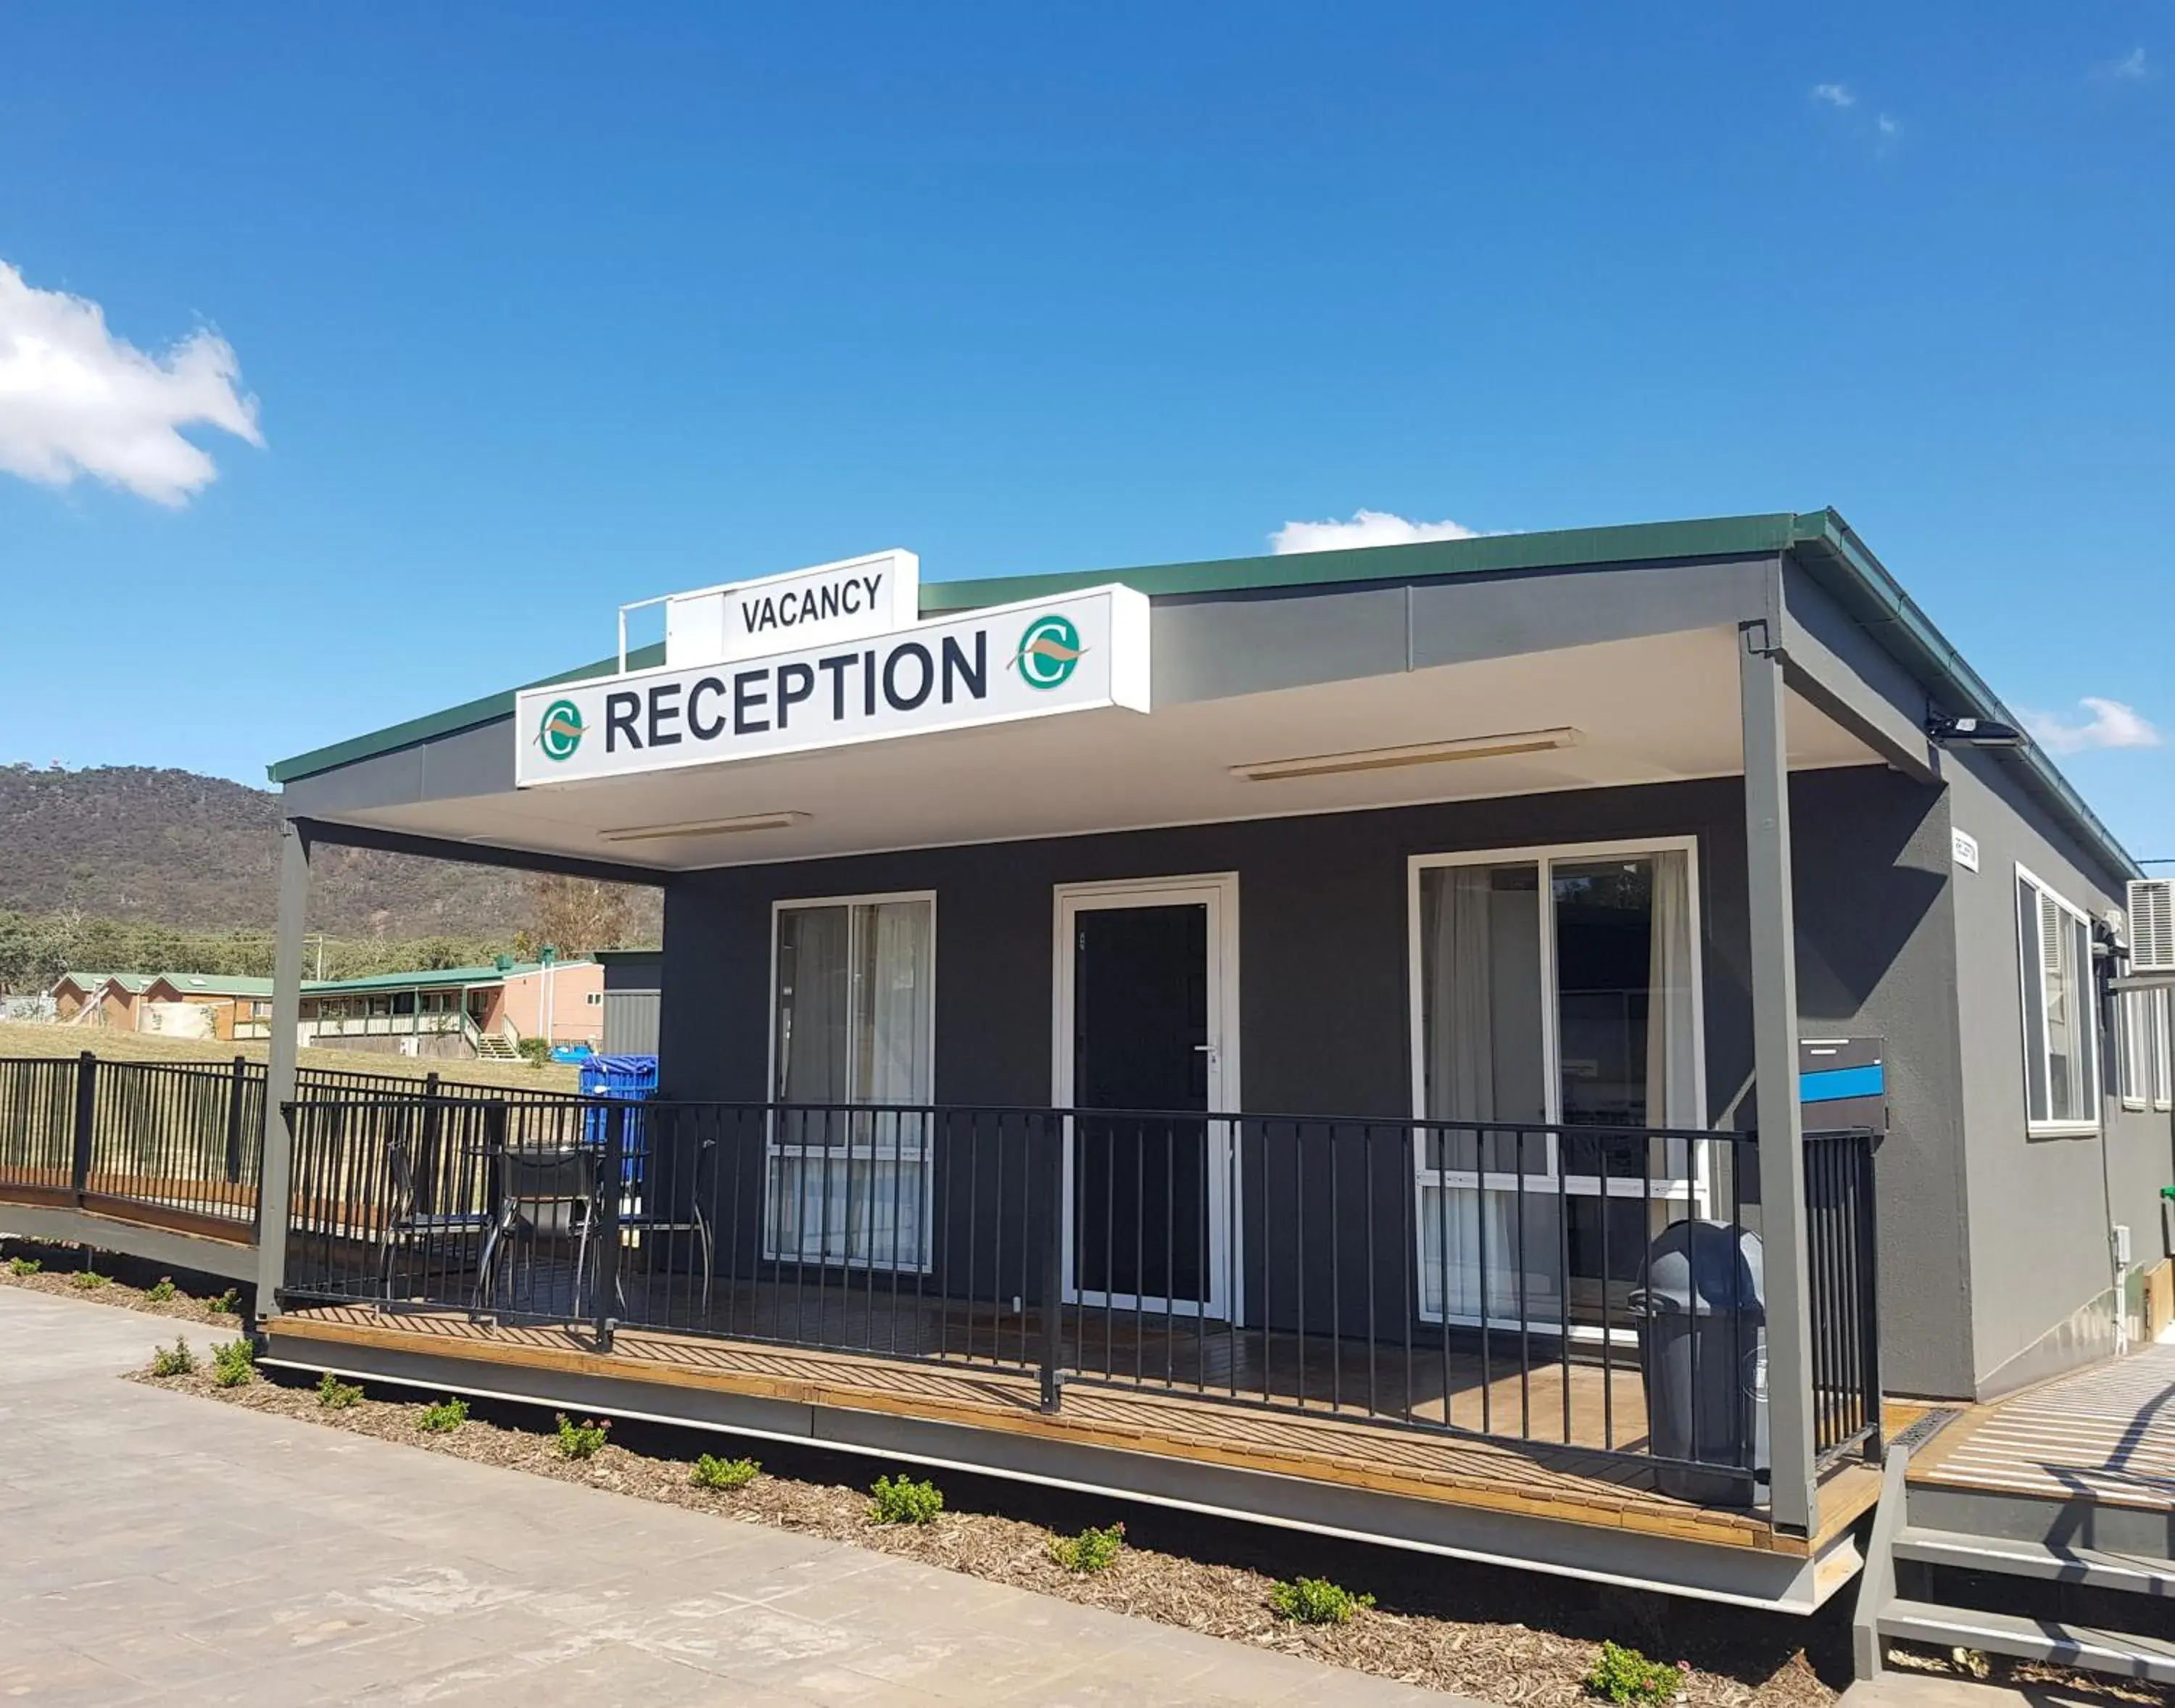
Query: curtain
854	1028
1480	1025
1673	1096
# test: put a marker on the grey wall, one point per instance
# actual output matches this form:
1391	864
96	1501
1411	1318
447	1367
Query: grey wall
2039	1207
1323	946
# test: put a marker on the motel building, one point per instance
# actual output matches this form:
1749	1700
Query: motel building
1550	1049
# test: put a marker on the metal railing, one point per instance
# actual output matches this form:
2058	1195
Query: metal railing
1843	1261
1470	1277
176	1143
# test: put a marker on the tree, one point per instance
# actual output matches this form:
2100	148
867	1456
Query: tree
574	915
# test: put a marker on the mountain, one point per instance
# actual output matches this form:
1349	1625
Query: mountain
133	843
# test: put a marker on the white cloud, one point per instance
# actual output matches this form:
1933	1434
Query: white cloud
1366	528
1834	93
1887	125
2132	67
76	401
2111	724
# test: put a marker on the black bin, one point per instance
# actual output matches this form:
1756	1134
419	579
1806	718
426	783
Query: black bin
1703	1351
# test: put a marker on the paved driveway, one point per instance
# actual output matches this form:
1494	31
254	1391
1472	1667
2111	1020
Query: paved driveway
155	1547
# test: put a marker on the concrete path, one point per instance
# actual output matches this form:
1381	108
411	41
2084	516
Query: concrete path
156	1547
1896	1689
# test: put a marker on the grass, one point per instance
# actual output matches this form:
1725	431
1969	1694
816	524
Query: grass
1092	1550
335	1395
233	1362
900	1500
160	1291
24	1265
710	1471
176	1360
444	1418
582	1440
1627	1678
1316	1601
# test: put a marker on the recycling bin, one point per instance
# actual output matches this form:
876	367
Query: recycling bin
1703	1353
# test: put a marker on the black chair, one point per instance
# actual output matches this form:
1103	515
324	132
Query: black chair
650	1205
413	1222
545	1197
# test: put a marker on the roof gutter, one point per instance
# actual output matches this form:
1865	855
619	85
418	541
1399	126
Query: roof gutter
1831	552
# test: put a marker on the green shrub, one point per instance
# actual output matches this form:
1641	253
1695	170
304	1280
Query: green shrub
896	1500
1092	1550
582	1440
1624	1676
161	1290
335	1395
176	1360
228	1303
89	1278
535	1051
711	1471
444	1418
24	1265
1316	1601
233	1362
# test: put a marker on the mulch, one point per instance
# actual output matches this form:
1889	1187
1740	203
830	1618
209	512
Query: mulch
1733	1660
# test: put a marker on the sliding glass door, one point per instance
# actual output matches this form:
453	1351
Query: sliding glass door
853	1023
1553	991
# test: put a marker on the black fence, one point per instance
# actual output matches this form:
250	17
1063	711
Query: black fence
176	1143
1842	1261
1428	1274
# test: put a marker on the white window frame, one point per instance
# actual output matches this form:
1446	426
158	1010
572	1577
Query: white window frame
2160	1036
2033	965
1698	1189
2136	1042
774	1149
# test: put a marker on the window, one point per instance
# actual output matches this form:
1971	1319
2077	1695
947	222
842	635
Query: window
2162	1077
2061	1042
854	1021
1552	990
595	999
2135	1014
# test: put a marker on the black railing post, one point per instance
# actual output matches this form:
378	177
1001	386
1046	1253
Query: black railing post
1053	1267
428	1167
607	1229
86	1115
1868	1293
236	1085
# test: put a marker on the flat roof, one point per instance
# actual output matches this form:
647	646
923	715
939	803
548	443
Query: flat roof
1820	540
429	978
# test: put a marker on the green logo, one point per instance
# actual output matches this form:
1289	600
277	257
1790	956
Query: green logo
561	732
1048	651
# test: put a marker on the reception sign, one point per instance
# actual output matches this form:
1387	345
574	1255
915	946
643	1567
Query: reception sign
1079	653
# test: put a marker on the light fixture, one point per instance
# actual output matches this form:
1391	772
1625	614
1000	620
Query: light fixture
708	827
1973	732
1423	753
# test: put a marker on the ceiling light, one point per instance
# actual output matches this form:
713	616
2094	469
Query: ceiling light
1973	732
1424	753
708	827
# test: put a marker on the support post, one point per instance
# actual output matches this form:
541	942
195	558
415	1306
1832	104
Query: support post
1794	1499
86	1118
1054	1140
275	1169
237	1094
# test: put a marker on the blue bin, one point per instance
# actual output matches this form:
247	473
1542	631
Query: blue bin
628	1078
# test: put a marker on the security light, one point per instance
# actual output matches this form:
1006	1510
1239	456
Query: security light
1973	732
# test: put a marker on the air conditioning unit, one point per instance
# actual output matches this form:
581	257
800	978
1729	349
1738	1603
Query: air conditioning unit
2152	925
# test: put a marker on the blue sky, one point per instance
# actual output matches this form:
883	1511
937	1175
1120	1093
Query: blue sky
544	308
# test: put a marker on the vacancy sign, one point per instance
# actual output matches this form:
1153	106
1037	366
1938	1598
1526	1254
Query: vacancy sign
832	602
1079	653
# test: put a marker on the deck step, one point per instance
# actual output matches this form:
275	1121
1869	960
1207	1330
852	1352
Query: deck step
2118	1652
2137	1574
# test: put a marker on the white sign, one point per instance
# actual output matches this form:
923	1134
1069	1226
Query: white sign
814	607
1074	653
1965	846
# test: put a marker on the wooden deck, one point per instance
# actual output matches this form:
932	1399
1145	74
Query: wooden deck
1540	1481
2104	1435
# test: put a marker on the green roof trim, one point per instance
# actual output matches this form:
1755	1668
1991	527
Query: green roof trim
428	978
1819	540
